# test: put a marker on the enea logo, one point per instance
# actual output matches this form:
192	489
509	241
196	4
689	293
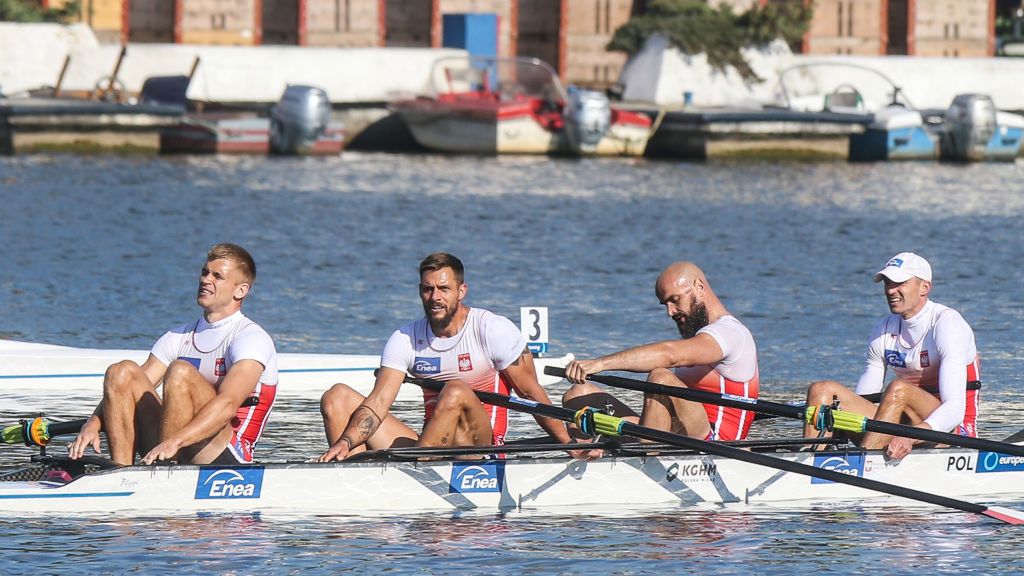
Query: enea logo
996	462
227	483
477	477
895	358
848	464
426	366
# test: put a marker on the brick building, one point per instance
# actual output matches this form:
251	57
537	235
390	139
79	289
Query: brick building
571	35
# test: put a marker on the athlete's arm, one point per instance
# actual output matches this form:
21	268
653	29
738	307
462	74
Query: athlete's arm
701	350
953	343
522	377
873	378
366	418
239	383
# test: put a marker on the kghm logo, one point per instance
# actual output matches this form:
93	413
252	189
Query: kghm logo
228	483
996	462
852	465
477	477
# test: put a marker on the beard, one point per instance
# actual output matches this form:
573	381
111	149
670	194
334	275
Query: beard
694	321
439	324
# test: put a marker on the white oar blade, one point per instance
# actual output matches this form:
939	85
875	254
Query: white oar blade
1008	515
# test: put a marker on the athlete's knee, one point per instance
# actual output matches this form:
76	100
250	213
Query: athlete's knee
664	376
823	389
580	390
178	371
455	395
119	376
337	399
898	390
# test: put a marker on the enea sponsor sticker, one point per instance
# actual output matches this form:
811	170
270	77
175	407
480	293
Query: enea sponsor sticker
426	366
217	483
851	464
996	462
477	477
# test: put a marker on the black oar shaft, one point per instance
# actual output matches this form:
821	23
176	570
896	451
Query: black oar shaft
722	450
796	412
70	427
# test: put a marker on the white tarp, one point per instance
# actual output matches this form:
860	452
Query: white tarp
660	74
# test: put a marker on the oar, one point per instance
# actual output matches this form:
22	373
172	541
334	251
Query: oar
38	431
591	421
846	421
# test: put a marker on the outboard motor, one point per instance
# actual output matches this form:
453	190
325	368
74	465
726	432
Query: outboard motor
968	127
588	115
298	119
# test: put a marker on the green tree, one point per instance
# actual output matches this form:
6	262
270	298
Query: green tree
695	28
30	11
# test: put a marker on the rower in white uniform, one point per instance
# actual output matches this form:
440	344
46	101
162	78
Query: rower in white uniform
932	353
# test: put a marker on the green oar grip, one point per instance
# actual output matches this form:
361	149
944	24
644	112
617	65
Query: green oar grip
34	432
827	418
591	421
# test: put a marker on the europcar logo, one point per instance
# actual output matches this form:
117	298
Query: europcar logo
228	483
477	477
852	464
426	365
996	462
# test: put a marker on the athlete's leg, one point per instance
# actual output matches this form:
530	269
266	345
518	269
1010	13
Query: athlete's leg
825	392
336	407
673	414
589	394
901	399
131	412
459	419
185	394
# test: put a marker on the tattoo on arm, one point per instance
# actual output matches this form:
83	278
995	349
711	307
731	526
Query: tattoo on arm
363	424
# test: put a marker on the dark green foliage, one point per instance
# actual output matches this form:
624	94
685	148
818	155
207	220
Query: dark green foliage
694	28
29	11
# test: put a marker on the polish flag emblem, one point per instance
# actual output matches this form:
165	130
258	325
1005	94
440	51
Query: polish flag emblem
465	364
219	369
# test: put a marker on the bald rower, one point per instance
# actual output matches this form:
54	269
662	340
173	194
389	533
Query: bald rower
716	353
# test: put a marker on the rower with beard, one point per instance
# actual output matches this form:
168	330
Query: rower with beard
716	354
467	348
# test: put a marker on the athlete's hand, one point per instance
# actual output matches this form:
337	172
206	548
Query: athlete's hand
89	435
338	452
165	450
899	447
577	371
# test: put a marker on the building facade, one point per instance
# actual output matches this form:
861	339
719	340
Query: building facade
571	35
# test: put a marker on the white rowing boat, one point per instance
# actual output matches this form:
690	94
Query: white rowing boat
42	369
614	485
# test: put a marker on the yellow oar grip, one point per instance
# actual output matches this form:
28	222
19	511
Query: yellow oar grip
591	422
840	420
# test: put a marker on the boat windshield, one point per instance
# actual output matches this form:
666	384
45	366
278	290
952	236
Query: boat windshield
504	78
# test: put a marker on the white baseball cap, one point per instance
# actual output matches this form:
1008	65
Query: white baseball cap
904	266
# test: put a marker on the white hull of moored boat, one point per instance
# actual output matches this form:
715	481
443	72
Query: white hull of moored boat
612	486
41	369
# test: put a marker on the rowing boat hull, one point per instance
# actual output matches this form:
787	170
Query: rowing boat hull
607	486
41	369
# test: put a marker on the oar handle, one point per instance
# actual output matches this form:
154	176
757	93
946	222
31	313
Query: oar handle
702	396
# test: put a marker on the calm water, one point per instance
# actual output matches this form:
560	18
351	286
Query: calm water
104	252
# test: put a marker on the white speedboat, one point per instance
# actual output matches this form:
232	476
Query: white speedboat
485	105
41	369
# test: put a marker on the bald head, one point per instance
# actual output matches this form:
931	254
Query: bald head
679	275
688	300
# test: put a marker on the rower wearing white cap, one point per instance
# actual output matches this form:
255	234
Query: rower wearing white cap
931	350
